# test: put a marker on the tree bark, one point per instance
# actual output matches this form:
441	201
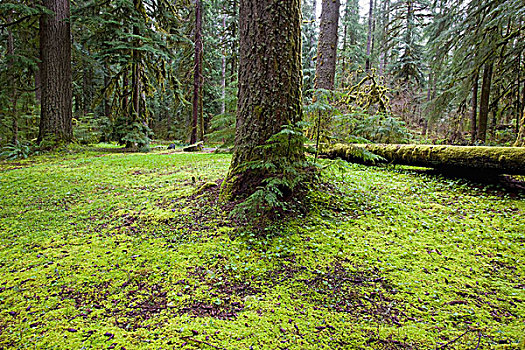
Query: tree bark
474	115
223	67
481	160
270	77
13	97
484	102
327	49
196	72
55	56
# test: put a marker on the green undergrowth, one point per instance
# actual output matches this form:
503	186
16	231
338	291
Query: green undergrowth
113	250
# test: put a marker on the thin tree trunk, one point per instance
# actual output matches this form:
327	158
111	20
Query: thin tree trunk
196	71
327	49
234	48
474	115
125	93
519	107
520	139
223	66
107	106
484	102
14	99
135	74
55	55
369	39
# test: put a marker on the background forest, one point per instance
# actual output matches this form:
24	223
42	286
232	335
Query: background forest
418	71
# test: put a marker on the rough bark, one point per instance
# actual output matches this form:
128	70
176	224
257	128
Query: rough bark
196	72
270	77
55	74
484	103
327	49
481	160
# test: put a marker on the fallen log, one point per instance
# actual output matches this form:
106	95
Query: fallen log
475	160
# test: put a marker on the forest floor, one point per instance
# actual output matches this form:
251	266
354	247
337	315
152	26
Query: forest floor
110	250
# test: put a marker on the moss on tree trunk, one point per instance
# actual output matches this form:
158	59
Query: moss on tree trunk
270	80
478	161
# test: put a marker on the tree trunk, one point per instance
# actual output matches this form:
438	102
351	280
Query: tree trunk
327	49
55	56
107	106
12	78
484	102
385	19
519	107
234	47
223	66
370	34
473	116
135	74
270	77
520	139
462	160
196	71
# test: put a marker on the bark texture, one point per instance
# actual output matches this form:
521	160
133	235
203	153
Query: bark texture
327	49
270	77
197	72
479	161
55	73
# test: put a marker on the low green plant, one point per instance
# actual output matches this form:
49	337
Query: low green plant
287	176
16	151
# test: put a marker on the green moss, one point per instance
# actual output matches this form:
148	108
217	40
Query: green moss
101	248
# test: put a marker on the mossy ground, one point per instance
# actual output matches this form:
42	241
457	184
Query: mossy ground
108	250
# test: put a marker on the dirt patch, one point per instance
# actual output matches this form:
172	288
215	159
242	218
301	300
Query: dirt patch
362	293
226	294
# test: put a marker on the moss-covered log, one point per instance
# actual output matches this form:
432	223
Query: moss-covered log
477	161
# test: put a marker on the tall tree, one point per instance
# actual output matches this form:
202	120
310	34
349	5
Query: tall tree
55	73
327	49
197	72
269	88
370	38
484	102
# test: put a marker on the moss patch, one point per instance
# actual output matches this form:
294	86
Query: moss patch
109	250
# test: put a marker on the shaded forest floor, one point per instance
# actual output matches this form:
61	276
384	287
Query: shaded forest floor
107	250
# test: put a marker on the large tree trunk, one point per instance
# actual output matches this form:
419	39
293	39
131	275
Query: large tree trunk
327	49
270	78
196	72
55	56
471	161
484	103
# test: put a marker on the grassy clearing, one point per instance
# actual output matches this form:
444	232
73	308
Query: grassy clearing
107	250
